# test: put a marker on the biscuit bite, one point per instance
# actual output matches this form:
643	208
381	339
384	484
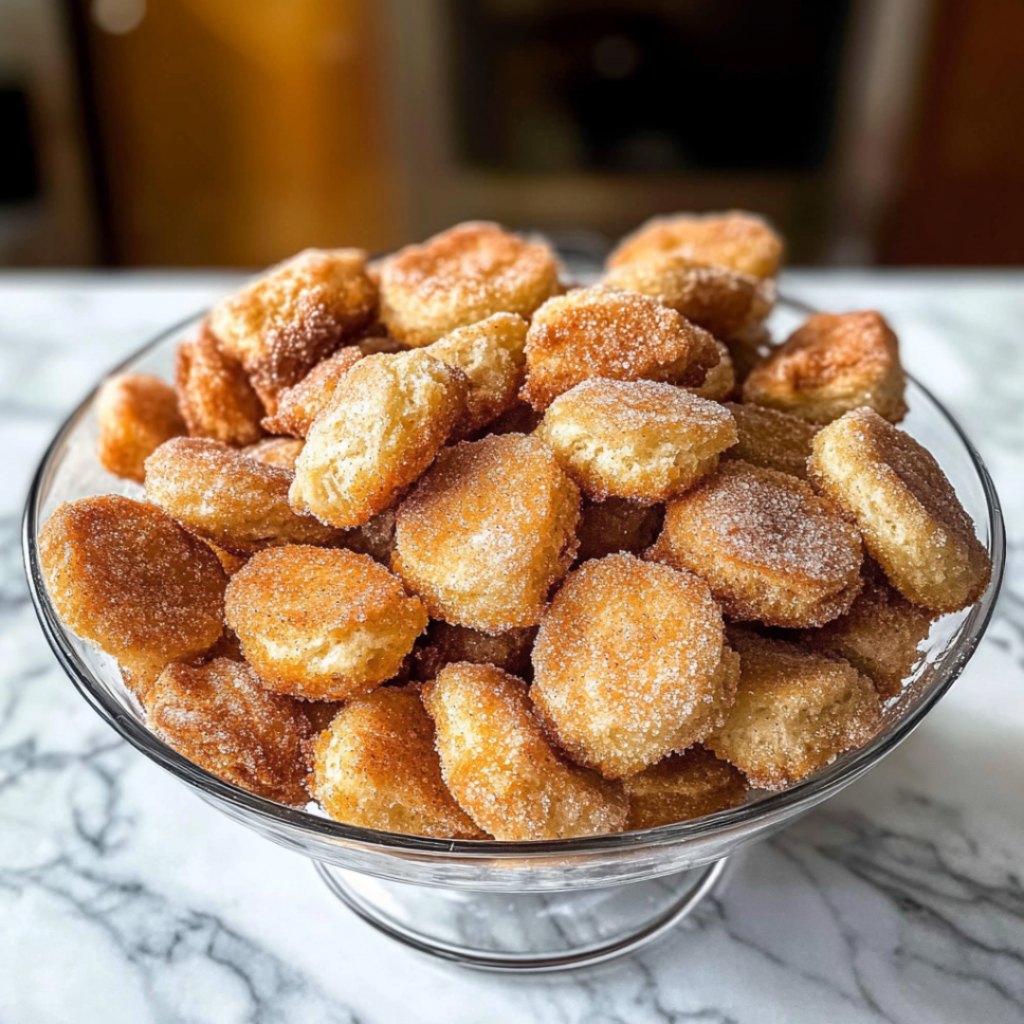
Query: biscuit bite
603	332
831	365
390	416
446	643
375	766
770	548
298	406
461	276
912	521
275	451
771	439
795	712
280	326
630	664
681	787
319	623
487	532
501	768
222	495
221	718
613	525
137	413
738	241
214	394
128	579
635	439
720	382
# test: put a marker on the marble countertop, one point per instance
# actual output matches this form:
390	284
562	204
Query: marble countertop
124	898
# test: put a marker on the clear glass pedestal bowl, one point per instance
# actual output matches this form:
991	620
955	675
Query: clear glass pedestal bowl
535	906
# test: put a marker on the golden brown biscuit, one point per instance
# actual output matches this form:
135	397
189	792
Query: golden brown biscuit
635	439
831	365
220	494
770	548
214	394
771	439
390	416
322	623
298	406
220	717
912	521
720	382
137	413
462	276
130	581
446	643
501	768
491	355
613	525
376	767
280	326
630	664
795	712
487	532
681	787
275	451
603	332
736	240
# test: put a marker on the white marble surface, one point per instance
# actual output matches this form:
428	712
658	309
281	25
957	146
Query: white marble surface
123	898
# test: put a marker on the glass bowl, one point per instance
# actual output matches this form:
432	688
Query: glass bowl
499	905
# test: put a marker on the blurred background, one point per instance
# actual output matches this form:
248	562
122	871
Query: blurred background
235	132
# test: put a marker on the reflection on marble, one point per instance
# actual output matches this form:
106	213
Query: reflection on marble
123	898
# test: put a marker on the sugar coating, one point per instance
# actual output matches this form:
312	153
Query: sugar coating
735	240
275	451
462	276
376	766
795	712
630	664
280	326
221	718
322	623
605	332
389	417
214	394
487	532
446	643
128	579
769	547
136	413
681	787
501	768
635	439
831	365
220	494
298	406
771	439
615	524
912	521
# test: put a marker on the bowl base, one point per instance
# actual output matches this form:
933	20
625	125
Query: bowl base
524	932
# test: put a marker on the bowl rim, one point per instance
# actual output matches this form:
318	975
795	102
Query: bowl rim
802	795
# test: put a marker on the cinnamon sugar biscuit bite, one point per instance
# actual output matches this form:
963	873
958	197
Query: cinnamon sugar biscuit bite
912	521
769	547
795	712
298	406
487	532
681	787
376	766
214	394
128	579
831	365
446	643
280	326
630	664
635	439
275	451
615	524
322	623
771	439
137	413
501	768
221	718
461	276
603	332
720	382
389	417
220	494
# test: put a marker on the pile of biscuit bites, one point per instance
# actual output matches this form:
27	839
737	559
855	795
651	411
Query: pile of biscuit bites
461	550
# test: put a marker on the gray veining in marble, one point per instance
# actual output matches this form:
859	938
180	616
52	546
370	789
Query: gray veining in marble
123	898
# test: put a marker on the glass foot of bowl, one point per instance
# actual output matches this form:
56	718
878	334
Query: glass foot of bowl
524	932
